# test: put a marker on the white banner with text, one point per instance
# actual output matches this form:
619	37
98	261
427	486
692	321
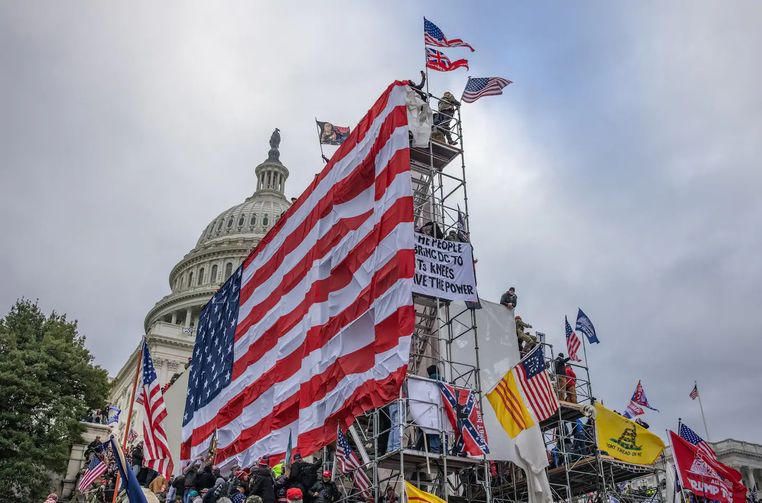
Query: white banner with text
444	269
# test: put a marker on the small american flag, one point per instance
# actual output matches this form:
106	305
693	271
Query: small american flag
534	382
436	60
348	463
476	87
572	342
694	392
432	35
95	469
155	445
691	436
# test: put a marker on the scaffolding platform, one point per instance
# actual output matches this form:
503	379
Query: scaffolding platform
567	412
584	476
438	156
415	460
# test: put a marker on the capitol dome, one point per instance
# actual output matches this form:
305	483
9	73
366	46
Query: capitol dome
222	246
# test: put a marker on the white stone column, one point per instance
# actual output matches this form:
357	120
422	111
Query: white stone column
174	317
187	317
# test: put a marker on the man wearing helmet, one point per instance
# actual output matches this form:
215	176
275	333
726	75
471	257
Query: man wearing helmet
447	107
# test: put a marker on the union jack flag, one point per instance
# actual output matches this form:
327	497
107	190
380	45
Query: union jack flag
462	409
436	60
432	35
572	342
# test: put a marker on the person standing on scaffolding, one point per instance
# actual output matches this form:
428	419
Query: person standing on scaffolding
559	366
447	107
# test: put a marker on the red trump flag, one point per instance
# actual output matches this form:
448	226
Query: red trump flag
704	476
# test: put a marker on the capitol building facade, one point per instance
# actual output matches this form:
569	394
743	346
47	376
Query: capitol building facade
170	325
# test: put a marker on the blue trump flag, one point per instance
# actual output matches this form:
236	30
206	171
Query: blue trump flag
585	326
129	480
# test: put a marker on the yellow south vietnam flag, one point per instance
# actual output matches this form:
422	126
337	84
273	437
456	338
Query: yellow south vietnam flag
625	440
415	495
509	406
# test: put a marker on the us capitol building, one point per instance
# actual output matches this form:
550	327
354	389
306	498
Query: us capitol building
223	245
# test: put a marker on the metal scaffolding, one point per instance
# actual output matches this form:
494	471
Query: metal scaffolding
393	448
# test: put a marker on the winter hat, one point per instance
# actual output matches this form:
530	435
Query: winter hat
254	499
293	493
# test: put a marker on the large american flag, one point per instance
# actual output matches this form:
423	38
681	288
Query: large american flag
94	469
692	437
535	384
476	87
436	60
572	342
432	35
347	461
155	445
314	328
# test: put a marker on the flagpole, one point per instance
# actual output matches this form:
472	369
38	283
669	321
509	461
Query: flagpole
701	407
674	462
587	365
320	144
129	415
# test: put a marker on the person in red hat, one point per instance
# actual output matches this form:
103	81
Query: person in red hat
294	495
324	490
262	482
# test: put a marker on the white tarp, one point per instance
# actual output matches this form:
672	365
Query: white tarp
424	405
498	352
444	269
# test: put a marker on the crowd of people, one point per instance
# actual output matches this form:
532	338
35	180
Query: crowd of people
201	482
204	483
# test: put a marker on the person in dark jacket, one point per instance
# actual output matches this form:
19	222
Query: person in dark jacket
509	299
205	479
559	367
179	485
137	458
324	490
304	475
262	482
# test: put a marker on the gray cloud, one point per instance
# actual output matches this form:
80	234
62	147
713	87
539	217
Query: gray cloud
620	173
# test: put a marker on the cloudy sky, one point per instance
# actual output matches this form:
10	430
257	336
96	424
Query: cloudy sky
620	173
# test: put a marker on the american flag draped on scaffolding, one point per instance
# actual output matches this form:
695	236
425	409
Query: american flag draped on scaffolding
314	327
155	445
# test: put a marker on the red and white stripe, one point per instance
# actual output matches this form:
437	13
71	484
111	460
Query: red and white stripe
350	465
572	345
90	476
704	448
326	313
155	446
538	392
